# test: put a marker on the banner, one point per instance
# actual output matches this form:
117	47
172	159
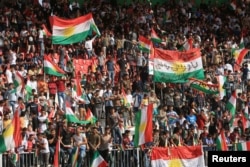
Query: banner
182	156
177	67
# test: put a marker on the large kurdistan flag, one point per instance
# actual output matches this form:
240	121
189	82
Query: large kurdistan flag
177	67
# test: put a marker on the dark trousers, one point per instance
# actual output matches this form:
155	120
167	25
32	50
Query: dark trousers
107	114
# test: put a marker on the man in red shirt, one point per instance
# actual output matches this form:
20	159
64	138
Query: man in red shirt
52	87
60	83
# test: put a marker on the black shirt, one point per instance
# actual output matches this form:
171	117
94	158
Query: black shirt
53	144
66	137
33	108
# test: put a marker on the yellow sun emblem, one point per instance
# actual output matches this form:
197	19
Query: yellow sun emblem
69	31
142	127
175	163
178	68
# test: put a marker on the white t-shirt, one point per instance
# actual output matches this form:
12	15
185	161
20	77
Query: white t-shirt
46	146
23	146
79	139
33	85
40	34
42	123
9	76
12	58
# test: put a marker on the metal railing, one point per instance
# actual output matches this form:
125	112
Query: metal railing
117	158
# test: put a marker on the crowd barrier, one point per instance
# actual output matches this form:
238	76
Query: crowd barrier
118	158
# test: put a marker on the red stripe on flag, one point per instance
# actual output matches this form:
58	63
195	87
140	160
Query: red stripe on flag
174	56
248	145
17	128
243	53
46	30
57	21
58	69
181	152
149	127
223	141
57	151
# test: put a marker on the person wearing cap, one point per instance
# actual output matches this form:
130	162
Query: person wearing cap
43	149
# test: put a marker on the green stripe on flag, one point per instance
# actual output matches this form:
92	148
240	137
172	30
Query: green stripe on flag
204	89
3	147
177	78
50	71
137	127
71	39
239	147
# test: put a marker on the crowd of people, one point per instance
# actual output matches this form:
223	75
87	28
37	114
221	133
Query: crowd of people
181	115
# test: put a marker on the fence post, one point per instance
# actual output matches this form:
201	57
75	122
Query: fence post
138	156
1	160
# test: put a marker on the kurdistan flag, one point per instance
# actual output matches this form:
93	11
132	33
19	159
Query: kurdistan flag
221	80
177	67
203	86
69	31
98	160
75	154
187	45
244	146
18	82
90	117
145	44
182	156
144	125
221	144
46	31
245	118
154	37
239	54
52	68
70	115
233	5
11	135
231	106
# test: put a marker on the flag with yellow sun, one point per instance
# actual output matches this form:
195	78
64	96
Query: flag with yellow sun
69	31
177	67
182	156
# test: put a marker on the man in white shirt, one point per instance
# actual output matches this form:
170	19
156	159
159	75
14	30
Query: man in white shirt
9	74
89	46
12	57
43	149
